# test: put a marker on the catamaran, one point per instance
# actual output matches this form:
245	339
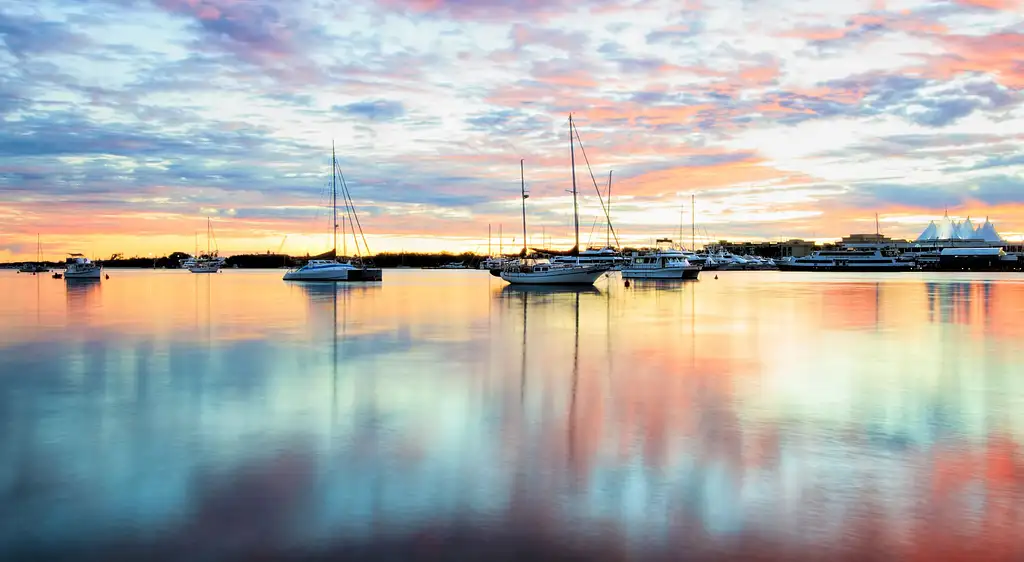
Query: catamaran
526	271
333	269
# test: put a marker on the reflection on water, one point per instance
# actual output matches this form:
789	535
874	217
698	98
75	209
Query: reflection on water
161	415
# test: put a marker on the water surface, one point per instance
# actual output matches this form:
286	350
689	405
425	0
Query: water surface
162	415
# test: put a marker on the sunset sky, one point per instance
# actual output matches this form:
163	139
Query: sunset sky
125	123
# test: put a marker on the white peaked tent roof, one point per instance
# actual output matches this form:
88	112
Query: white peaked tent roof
965	230
945	230
930	233
987	232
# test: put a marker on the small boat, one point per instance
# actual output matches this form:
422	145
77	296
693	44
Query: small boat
57	275
208	262
542	271
38	266
454	265
664	262
78	266
333	269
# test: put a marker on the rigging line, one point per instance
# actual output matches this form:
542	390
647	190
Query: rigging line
599	197
348	212
593	227
352	206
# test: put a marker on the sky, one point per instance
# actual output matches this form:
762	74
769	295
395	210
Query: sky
126	123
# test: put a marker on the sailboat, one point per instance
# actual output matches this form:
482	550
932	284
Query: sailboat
38	266
527	271
332	269
208	263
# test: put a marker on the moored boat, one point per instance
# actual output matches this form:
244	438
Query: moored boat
663	262
78	266
335	269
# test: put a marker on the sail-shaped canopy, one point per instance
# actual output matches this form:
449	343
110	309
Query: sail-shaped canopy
930	233
965	231
988	233
946	229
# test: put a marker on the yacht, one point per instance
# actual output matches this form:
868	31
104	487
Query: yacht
541	271
453	265
492	263
847	260
209	262
607	256
332	269
38	266
664	262
78	266
545	272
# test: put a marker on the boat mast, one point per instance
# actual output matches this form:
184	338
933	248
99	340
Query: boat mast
488	240
207	236
693	223
501	242
334	198
608	232
522	186
575	204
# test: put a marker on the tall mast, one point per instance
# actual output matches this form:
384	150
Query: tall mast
575	205
334	197
522	182
488	240
207	236
501	242
608	235
693	223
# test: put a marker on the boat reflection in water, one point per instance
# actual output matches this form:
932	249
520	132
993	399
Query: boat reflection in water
744	418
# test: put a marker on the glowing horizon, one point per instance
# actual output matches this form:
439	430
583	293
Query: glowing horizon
126	124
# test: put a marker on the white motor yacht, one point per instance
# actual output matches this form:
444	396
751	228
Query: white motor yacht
664	262
79	267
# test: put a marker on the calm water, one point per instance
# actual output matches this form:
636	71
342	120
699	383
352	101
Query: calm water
162	415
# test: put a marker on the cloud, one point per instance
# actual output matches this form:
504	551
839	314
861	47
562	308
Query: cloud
377	110
139	120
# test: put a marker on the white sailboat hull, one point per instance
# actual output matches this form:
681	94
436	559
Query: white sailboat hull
334	274
568	276
690	272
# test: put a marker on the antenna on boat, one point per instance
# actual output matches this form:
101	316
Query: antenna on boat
522	187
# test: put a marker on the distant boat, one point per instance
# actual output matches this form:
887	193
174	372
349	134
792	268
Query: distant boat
454	265
332	269
37	267
847	260
664	262
209	262
542	271
78	266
